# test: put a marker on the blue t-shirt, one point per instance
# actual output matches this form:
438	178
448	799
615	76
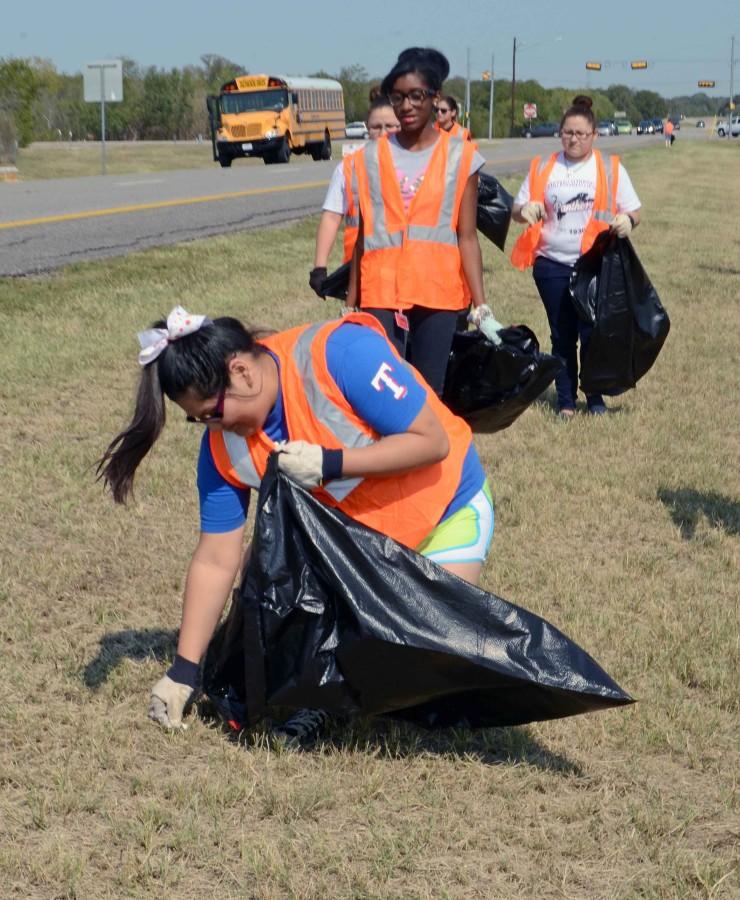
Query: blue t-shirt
381	390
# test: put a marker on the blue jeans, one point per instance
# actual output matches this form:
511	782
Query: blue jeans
552	280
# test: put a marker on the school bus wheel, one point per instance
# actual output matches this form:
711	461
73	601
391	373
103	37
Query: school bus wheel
282	154
225	160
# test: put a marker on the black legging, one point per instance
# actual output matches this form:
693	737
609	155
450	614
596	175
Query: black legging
426	345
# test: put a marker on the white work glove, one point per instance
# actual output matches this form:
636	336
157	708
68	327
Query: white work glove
482	317
621	225
532	212
348	310
167	702
301	461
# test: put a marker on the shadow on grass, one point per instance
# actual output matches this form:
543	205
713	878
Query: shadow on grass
686	506
398	740
133	643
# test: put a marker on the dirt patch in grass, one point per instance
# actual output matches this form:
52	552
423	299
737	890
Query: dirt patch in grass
622	531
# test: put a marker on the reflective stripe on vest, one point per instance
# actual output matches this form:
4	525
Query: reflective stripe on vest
326	412
379	239
241	459
442	232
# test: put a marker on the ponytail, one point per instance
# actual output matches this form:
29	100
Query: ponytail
197	361
120	461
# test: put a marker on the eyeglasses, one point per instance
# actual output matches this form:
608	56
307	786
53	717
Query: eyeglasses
578	135
384	126
443	109
415	97
213	417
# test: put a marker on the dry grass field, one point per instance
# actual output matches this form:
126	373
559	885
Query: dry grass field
623	531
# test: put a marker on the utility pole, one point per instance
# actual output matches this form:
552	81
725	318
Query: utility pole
730	109
467	95
490	102
513	88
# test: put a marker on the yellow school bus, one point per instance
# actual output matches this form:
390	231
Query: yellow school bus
273	116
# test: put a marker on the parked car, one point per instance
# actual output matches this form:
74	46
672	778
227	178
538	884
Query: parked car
356	130
624	126
606	127
646	127
734	129
700	123
541	129
658	126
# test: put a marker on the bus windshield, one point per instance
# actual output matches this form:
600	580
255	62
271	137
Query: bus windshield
253	100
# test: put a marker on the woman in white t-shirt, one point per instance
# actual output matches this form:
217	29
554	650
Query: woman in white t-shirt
566	201
417	260
380	120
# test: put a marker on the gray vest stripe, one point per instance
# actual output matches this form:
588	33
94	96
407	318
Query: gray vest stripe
442	234
379	239
352	221
240	458
342	487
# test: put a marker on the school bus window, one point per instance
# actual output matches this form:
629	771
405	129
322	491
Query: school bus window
254	100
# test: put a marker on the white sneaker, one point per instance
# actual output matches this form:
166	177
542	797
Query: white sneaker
301	727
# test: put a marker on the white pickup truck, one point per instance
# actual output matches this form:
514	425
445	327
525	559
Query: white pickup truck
722	128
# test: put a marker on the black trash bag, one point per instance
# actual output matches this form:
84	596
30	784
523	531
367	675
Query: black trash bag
494	217
612	292
494	209
335	616
336	284
491	386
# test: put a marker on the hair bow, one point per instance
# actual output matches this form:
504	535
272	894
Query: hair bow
179	323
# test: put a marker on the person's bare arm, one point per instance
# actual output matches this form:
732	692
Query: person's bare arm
467	239
353	291
326	235
424	443
216	561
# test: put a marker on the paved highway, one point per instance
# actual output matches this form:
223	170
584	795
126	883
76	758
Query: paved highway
49	223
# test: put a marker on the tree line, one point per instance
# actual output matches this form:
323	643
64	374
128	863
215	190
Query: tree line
39	103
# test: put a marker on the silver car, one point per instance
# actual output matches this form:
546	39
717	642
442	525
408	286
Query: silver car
356	130
605	128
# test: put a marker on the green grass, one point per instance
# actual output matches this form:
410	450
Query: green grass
78	159
622	531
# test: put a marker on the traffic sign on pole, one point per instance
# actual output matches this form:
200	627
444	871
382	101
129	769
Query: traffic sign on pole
530	110
103	81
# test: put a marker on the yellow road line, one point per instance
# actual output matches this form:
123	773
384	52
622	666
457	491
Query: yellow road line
162	204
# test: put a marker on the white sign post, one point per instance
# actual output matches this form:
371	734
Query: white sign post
530	110
103	81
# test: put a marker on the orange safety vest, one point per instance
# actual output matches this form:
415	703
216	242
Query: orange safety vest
352	216
412	258
605	206
457	130
406	506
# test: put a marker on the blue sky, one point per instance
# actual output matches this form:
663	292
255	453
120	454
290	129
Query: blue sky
683	42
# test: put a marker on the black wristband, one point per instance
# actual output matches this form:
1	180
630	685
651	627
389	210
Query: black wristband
331	464
183	671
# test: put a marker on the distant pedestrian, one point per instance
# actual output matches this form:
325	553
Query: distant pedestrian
567	201
447	112
668	133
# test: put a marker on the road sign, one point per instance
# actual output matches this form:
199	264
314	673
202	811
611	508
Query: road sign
103	80
530	110
706	83
594	66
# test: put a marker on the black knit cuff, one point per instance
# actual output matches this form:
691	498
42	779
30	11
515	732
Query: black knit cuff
331	466
183	671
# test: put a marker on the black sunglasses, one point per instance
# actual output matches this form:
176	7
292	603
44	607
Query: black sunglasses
215	416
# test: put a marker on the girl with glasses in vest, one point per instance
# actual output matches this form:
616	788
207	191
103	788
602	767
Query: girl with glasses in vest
446	119
566	201
417	261
352	423
337	205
